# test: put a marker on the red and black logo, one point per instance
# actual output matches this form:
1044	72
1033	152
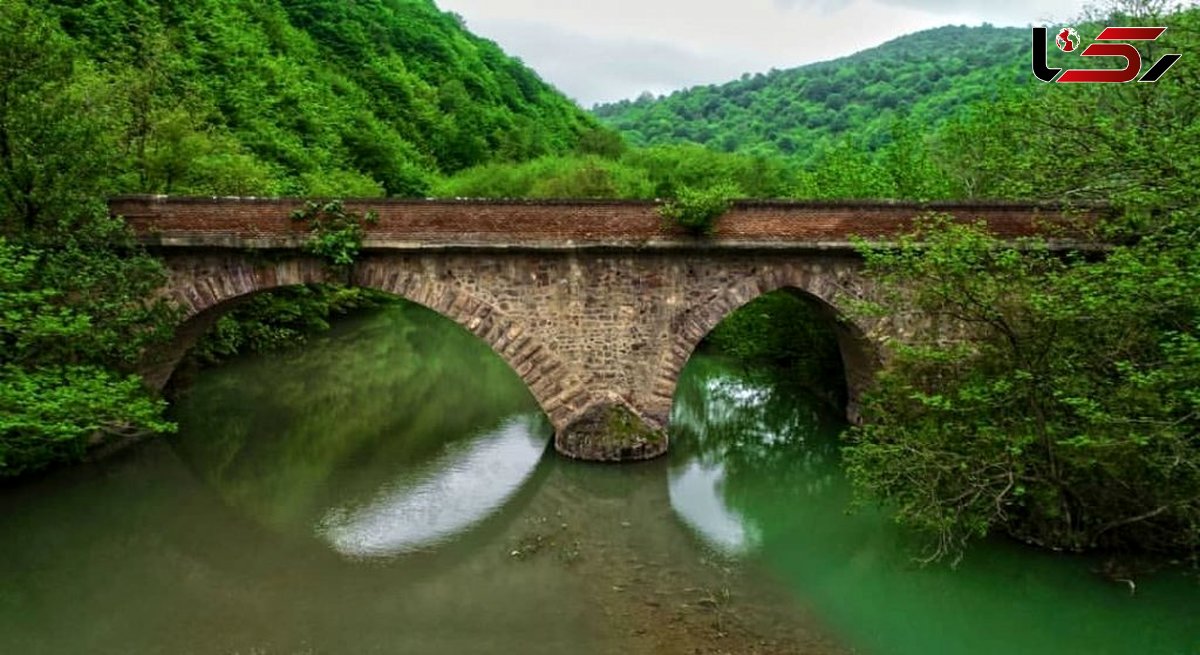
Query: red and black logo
1068	40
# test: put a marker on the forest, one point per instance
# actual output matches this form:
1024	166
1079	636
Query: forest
1067	415
924	78
298	97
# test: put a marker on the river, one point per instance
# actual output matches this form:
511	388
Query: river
390	488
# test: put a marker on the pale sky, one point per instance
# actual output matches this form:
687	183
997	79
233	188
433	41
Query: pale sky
605	50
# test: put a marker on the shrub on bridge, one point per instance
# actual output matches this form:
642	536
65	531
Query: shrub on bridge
335	234
697	210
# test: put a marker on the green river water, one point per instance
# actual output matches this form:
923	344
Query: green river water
389	489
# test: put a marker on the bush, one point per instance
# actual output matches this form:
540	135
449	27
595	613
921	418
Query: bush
1052	398
335	234
697	211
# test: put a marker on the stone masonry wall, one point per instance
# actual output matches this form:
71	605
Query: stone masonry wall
581	329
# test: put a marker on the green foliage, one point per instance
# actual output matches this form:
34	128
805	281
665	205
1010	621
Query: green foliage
70	321
905	167
673	167
76	303
550	177
602	142
57	125
53	413
1050	398
1136	146
911	165
925	78
335	234
786	330
319	97
644	173
697	210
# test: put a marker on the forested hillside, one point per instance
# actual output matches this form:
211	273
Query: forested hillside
306	96
923	77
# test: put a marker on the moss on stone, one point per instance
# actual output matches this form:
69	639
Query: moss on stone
624	429
611	433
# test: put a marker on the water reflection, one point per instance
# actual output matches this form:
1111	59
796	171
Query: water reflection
430	503
729	422
371	437
398	429
696	494
756	473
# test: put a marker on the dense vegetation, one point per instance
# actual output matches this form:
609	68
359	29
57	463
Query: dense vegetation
308	97
911	165
924	78
75	308
281	319
1059	402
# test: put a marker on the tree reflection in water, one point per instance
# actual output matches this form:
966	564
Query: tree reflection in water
373	420
741	430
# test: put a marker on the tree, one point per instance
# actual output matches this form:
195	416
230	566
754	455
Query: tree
602	142
57	395
56	123
76	294
1052	397
1047	397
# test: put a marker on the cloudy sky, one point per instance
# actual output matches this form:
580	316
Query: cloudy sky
604	50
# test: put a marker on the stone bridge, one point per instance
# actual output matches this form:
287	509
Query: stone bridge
597	306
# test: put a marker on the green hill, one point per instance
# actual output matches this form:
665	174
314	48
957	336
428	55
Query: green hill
311	96
924	76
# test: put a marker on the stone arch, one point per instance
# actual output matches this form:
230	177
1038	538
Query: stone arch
205	290
860	356
560	395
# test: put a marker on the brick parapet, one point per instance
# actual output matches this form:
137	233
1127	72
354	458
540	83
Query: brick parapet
410	224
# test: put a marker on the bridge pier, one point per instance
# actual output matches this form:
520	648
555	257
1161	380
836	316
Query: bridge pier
611	430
